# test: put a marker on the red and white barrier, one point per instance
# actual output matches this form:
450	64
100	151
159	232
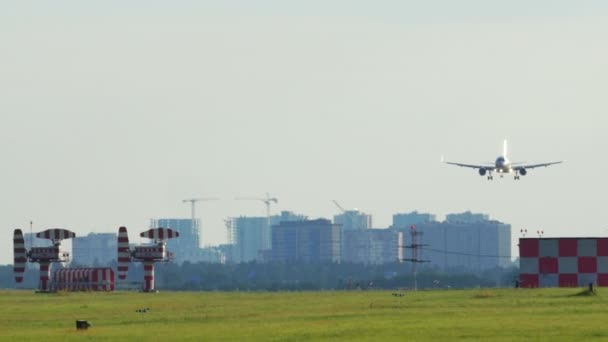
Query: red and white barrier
84	279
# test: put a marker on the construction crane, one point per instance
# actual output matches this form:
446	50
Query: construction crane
193	201
268	200
339	206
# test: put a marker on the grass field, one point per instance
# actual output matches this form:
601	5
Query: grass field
481	314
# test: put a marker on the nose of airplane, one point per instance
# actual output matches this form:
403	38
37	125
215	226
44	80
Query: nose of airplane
501	162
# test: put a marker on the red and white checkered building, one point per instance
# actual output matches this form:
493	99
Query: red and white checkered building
563	262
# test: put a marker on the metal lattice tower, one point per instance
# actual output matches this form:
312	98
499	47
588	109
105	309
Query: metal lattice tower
415	247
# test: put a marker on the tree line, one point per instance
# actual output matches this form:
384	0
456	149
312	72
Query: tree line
292	277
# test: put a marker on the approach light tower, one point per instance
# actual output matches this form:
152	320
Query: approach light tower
195	226
268	200
148	255
42	255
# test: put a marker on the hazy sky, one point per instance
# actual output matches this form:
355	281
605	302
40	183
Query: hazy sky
112	113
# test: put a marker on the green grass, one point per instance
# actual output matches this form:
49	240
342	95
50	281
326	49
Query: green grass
483	314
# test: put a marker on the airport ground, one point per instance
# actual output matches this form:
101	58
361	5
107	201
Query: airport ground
478	314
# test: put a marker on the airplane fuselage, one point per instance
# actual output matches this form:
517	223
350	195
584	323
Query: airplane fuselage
502	165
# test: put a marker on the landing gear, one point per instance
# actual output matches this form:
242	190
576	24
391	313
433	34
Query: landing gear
516	177
490	177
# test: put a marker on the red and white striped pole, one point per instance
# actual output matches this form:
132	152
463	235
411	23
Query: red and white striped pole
148	276
45	275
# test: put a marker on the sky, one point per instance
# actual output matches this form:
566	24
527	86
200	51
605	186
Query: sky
113	112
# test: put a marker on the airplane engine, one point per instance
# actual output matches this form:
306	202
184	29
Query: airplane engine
482	172
523	172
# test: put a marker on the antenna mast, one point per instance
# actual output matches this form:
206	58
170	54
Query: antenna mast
415	246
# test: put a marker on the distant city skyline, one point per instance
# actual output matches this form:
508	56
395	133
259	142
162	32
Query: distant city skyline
248	235
112	114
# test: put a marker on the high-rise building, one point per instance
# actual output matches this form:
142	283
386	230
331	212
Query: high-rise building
186	247
287	216
94	249
458	245
251	238
353	220
370	246
406	220
467	217
306	241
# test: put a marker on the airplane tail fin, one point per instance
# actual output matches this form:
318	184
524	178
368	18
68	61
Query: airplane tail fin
504	148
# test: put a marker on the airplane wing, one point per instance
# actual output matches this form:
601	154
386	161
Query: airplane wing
485	167
532	166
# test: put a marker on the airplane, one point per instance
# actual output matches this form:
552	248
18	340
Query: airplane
502	166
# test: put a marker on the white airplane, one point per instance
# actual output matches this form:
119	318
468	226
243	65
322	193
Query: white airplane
503	166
